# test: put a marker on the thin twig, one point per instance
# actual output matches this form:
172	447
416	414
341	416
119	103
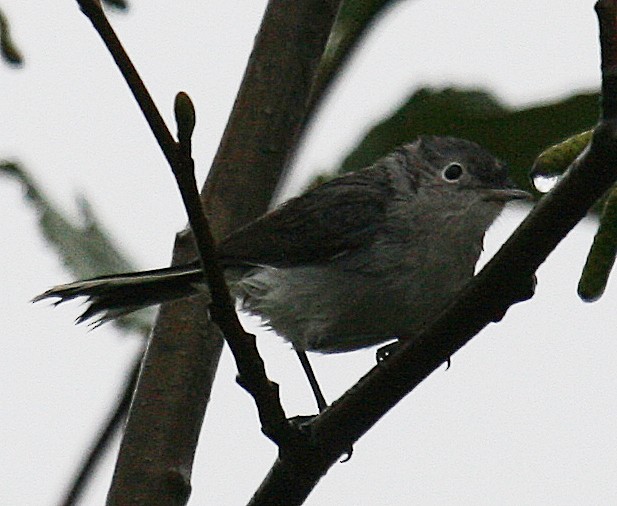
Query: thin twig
251	369
111	427
94	12
242	344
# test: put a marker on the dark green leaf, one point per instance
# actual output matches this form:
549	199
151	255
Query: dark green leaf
514	135
8	49
556	159
355	17
601	257
120	5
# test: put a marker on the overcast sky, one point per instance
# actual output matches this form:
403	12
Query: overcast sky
526	413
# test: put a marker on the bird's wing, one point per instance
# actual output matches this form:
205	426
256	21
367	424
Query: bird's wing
330	220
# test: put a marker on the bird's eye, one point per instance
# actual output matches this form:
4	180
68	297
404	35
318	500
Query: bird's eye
452	172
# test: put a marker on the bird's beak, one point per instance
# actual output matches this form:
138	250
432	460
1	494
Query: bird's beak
505	195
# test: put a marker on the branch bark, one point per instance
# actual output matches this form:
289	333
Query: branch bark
505	280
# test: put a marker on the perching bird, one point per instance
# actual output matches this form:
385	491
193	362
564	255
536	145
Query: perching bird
365	258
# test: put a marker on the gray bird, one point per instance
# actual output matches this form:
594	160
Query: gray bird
365	258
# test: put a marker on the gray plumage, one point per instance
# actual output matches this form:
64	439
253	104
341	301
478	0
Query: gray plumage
367	257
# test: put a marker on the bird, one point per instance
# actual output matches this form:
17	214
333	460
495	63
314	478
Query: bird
368	257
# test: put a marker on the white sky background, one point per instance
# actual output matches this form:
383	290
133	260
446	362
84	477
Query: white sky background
526	413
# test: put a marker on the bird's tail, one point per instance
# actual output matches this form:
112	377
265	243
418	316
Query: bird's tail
112	296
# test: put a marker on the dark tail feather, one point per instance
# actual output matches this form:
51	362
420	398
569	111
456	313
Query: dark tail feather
112	296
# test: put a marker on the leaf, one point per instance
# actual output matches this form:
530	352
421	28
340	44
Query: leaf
602	254
354	18
8	49
85	248
514	135
120	5
556	159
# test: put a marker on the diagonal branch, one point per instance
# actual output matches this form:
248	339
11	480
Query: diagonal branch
112	426
505	280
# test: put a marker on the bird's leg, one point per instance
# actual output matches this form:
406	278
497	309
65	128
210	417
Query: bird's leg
308	370
321	401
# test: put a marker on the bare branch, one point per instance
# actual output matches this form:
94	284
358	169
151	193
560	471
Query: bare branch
111	427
